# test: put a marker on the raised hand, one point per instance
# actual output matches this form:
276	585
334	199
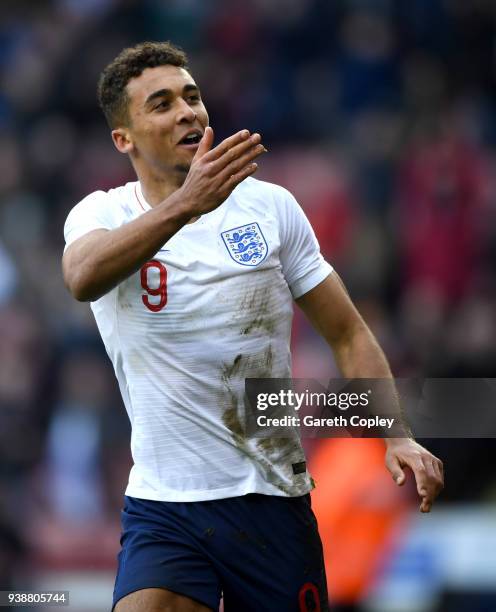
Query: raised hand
214	173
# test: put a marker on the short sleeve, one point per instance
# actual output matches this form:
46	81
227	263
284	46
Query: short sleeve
93	212
302	262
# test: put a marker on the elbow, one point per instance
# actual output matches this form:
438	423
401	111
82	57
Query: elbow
78	285
78	289
82	272
82	295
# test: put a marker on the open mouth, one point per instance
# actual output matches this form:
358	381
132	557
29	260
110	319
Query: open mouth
191	139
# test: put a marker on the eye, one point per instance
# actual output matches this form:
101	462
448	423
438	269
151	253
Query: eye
162	105
194	98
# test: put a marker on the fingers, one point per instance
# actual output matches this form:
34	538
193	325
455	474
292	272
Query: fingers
240	176
427	469
424	486
230	151
439	469
393	465
205	143
243	160
429	480
219	170
238	156
436	479
226	145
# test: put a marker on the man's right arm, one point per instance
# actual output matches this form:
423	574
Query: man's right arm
101	259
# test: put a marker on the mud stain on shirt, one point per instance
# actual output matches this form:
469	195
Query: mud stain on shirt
257	303
269	453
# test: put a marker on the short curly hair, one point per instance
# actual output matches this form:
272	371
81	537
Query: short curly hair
129	64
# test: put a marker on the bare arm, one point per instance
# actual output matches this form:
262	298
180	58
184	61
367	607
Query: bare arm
358	355
331	311
101	259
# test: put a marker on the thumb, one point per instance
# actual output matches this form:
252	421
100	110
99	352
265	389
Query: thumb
396	471
205	143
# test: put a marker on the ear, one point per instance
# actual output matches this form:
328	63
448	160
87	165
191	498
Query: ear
122	140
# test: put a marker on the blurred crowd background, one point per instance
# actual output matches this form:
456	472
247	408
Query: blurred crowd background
379	116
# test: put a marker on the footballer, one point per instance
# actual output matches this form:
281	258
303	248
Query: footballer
192	271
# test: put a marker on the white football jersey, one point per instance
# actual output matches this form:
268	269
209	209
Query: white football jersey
211	308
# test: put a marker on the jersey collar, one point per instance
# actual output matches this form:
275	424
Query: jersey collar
140	198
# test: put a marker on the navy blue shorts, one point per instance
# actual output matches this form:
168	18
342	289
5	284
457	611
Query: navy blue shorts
263	553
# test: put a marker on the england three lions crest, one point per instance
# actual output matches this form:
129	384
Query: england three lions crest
246	244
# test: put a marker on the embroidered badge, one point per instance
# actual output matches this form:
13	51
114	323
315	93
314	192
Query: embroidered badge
246	244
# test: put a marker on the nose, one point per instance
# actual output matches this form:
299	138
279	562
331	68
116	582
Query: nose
185	113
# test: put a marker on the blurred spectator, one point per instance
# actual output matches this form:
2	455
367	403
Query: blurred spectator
443	189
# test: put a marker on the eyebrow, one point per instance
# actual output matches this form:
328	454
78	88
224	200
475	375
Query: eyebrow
162	93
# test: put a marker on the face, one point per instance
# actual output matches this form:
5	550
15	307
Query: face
167	120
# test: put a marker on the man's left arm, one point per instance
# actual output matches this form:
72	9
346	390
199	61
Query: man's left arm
358	355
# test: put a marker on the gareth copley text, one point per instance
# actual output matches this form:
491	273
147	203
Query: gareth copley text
337	421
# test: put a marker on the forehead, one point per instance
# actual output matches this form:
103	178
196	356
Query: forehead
153	79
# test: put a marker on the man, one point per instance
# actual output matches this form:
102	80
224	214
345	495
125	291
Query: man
191	272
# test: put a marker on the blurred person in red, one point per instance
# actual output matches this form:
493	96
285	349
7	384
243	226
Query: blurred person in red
192	272
443	190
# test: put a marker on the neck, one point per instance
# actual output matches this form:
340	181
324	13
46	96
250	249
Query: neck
156	189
